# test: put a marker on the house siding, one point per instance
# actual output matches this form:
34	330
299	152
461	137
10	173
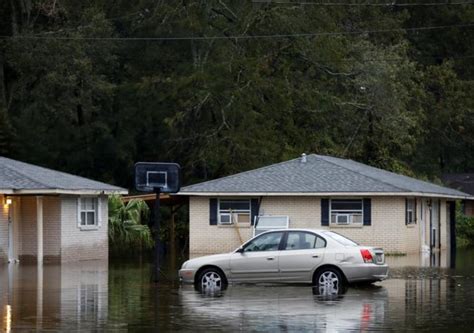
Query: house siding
78	244
27	238
28	241
388	229
51	229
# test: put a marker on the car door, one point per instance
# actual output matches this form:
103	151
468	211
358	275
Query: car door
301	253
258	260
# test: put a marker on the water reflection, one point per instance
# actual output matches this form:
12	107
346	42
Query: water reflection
54	297
424	259
93	296
276	307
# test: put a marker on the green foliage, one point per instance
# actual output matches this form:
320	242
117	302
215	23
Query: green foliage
464	228
127	230
399	100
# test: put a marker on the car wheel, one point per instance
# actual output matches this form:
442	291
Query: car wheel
329	281
211	279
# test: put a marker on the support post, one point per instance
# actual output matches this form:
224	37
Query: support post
39	229
156	268
173	239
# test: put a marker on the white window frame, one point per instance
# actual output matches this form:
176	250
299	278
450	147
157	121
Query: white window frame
349	213
412	211
233	214
97	213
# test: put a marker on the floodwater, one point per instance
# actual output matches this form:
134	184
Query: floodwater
101	296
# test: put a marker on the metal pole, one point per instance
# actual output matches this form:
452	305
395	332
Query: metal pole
156	268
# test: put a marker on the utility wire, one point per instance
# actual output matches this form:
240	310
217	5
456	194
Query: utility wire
385	4
236	37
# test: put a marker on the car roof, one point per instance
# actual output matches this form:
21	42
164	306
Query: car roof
300	229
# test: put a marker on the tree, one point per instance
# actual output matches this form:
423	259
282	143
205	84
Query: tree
128	232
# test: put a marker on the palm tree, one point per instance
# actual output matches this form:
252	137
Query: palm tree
127	229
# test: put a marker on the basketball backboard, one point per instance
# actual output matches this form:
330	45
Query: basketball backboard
153	175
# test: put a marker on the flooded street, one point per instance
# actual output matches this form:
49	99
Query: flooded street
119	296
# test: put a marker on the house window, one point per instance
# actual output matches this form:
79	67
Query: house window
411	211
346	211
234	211
88	211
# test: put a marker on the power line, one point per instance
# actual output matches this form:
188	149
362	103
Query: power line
385	4
470	56
236	37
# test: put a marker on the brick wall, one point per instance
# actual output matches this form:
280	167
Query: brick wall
3	231
388	229
79	244
27	237
51	228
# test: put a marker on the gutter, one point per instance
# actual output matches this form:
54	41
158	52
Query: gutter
73	192
327	194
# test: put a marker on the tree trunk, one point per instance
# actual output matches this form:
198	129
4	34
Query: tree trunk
3	91
13	17
370	144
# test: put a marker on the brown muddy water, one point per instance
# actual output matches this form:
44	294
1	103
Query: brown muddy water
101	296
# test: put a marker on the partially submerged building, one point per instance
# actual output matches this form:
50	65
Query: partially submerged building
367	204
47	215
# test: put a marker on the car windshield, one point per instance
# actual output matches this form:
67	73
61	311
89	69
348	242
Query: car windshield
339	238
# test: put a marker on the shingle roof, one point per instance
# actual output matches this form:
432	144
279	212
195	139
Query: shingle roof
18	176
319	174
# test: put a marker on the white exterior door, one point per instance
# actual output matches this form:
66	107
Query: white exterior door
434	236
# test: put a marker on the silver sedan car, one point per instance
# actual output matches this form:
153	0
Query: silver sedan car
320	257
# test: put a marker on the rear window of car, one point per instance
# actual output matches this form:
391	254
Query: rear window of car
339	238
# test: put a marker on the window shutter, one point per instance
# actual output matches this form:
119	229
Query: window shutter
406	211
325	212
213	211
367	211
253	210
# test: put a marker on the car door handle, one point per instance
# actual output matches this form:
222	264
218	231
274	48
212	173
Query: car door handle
270	258
315	256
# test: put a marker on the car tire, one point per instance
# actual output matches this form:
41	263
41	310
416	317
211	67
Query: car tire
211	279
330	279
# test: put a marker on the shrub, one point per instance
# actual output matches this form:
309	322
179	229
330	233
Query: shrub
464	228
127	229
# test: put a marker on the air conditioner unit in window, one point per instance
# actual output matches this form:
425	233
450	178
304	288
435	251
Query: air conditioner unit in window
343	218
225	219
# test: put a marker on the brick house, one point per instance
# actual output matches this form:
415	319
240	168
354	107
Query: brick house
369	205
48	215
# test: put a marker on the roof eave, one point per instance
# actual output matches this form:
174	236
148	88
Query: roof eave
327	194
72	192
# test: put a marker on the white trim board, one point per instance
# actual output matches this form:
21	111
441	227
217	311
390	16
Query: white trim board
61	191
325	194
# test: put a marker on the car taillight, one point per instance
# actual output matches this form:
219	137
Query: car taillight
367	256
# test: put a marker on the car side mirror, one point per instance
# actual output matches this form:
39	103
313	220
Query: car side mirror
240	250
